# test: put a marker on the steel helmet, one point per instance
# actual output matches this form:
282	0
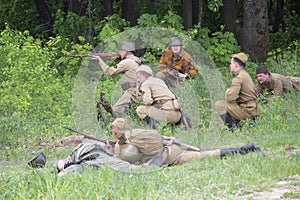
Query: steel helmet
130	153
38	161
127	46
175	41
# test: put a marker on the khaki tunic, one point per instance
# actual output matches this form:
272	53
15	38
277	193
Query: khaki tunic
154	90
127	68
240	98
168	66
279	84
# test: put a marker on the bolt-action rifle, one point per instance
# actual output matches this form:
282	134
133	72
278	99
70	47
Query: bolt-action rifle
102	101
111	142
112	56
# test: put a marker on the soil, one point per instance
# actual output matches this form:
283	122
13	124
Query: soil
287	189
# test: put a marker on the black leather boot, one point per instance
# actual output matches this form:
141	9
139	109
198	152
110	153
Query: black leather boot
150	121
242	150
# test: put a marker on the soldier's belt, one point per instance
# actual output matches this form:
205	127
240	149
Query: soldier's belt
248	102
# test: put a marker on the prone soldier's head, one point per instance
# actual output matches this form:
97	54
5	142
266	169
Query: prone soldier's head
262	74
119	126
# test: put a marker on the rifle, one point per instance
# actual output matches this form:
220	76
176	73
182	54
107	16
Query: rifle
111	142
106	106
112	56
177	142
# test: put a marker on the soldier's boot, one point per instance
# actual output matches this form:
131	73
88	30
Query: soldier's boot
152	122
242	150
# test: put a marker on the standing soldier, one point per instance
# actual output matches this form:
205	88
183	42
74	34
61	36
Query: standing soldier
176	64
276	83
240	101
127	67
160	104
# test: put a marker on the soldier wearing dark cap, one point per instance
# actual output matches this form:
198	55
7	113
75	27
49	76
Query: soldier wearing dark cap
176	64
276	83
240	97
127	67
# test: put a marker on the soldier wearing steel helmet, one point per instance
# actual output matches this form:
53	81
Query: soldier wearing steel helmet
127	67
240	97
149	148
160	104
176	64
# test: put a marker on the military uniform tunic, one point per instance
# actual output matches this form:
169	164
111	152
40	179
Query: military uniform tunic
279	84
169	66
158	100
127	67
240	98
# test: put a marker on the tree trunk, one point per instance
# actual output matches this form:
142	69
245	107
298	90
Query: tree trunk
108	8
130	10
229	14
44	11
197	11
75	6
255	32
278	16
187	14
295	5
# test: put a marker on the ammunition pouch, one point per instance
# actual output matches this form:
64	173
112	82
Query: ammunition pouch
127	85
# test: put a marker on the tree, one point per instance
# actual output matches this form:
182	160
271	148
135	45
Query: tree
130	11
187	14
255	30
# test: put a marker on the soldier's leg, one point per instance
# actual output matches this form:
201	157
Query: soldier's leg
188	156
220	107
172	116
236	112
147	114
121	107
242	150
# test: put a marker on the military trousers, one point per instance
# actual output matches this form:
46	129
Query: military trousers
170	116
237	111
178	156
122	106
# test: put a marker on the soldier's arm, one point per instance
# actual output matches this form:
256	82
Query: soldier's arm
164	62
278	87
258	89
146	92
232	93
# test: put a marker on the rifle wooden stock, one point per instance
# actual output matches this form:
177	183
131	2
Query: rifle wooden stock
111	142
180	143
102	55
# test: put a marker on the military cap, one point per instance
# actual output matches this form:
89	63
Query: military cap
120	123
144	68
241	56
127	46
175	41
262	70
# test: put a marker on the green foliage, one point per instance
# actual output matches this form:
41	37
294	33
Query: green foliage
28	84
70	25
110	26
214	5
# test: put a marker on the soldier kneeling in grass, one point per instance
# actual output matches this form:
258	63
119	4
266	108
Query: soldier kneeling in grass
138	149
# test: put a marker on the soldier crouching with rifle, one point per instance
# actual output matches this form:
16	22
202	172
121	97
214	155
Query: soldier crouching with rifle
127	67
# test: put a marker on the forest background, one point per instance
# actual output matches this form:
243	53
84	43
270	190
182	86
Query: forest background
37	82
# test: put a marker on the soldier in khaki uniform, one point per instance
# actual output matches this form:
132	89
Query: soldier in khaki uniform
240	101
276	83
148	148
127	67
176	64
160	104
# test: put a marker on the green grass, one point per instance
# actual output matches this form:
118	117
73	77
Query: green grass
230	178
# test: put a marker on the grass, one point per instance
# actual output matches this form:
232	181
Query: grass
230	178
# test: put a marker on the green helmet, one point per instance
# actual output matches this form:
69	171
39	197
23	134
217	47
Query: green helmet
130	153
175	41
127	46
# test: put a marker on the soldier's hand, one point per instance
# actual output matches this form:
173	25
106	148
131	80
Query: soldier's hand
98	58
61	164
